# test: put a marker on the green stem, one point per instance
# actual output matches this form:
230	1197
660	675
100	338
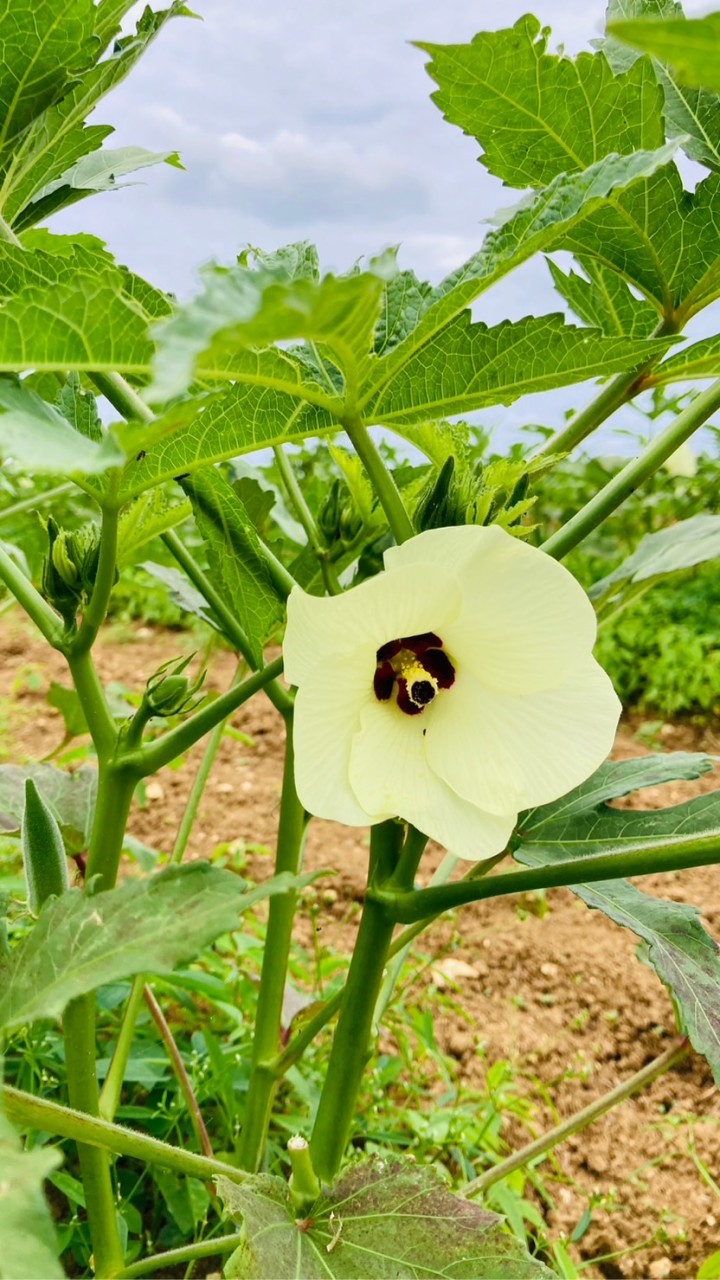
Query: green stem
635	473
307	520
382	482
127	402
617	392
103	730
38	610
154	755
197	790
109	1100
263	1081
398	955
580	1120
116	786
159	1262
351	1042
79	1036
97	608
674	854
38	500
29	1112
403	877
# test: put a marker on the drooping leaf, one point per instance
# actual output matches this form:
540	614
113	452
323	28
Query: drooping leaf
680	546
693	115
98	171
468	366
28	1245
602	299
71	797
247	306
238	566
537	115
181	591
38	437
690	46
683	955
381	1219
81	942
67	702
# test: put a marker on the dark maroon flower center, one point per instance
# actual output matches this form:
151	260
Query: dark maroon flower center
414	668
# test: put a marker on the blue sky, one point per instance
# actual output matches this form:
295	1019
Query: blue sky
311	119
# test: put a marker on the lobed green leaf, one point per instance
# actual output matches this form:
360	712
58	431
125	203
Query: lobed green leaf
28	1245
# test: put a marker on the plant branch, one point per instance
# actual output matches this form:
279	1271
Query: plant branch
674	854
151	757
178	1066
29	1112
381	479
617	392
580	1120
38	500
307	520
634	474
47	621
186	1253
103	729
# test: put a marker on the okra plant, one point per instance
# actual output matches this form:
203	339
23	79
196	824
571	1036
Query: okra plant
435	678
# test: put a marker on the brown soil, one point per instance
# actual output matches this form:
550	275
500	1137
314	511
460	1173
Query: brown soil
561	996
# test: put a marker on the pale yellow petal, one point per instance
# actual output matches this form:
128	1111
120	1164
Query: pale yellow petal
506	751
390	773
328	707
421	597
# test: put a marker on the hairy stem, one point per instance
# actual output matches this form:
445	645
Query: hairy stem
158	1262
580	1120
263	1080
635	473
307	520
382	482
28	1112
351	1042
94	703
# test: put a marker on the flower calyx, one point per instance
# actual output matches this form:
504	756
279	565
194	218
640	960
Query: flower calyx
170	693
70	568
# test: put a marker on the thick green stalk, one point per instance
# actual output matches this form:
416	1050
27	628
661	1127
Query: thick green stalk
617	392
37	500
351	1042
382	482
38	610
109	1100
151	757
186	1253
29	1112
673	854
263	1080
97	608
103	729
79	1036
307	520
116	786
580	1120
634	474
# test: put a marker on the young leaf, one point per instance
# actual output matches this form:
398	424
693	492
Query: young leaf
235	555
81	942
698	360
381	1219
96	172
602	299
147	518
680	546
690	46
28	1245
537	115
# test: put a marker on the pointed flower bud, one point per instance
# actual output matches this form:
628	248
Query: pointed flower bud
170	693
452	690
43	850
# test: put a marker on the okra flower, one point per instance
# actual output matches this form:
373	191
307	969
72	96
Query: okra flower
453	690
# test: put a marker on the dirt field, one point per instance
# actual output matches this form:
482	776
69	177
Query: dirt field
563	996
